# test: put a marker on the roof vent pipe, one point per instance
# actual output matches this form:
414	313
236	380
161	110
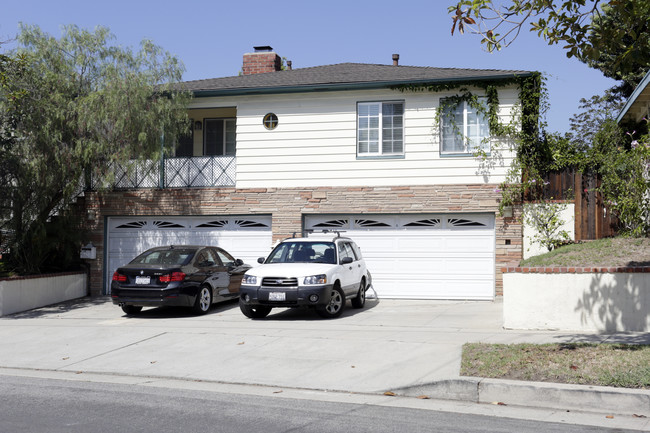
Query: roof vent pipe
395	59
288	65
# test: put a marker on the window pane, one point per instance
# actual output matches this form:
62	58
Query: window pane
373	109
363	110
368	129
230	137
392	131
463	128
363	147
185	146
363	136
398	146
213	130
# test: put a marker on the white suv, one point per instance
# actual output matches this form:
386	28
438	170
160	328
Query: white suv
318	271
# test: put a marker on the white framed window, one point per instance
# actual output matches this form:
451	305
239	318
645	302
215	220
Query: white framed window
380	128
463	128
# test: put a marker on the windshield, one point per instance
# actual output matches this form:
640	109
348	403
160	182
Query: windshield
303	252
175	257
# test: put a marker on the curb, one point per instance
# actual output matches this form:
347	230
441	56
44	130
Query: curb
536	394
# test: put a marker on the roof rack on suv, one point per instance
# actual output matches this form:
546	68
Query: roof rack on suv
325	231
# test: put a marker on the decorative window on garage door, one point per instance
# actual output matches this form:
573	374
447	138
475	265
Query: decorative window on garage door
181	222
233	223
150	224
428	222
461	222
378	222
352	223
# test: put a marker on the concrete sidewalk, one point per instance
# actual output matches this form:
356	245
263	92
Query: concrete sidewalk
410	348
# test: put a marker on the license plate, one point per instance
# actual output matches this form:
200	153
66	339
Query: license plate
277	296
142	280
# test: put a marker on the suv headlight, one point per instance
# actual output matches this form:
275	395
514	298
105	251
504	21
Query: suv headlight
249	279
316	279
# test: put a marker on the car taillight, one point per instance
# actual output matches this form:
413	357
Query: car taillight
174	276
119	277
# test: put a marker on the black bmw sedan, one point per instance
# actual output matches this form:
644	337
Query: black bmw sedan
178	275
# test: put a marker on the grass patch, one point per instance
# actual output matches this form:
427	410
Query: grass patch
619	365
603	253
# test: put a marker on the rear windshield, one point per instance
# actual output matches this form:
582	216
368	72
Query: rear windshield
303	252
177	257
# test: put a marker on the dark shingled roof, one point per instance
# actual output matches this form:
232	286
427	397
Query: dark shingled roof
341	76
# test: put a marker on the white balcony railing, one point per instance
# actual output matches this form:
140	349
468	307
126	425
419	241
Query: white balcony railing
192	172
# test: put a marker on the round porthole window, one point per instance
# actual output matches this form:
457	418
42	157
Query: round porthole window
270	121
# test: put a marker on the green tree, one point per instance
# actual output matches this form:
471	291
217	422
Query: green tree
578	24
595	112
69	107
623	160
623	37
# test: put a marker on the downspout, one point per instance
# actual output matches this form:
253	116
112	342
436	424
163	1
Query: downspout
161	178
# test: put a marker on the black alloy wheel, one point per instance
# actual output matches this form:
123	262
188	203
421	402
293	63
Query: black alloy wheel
334	308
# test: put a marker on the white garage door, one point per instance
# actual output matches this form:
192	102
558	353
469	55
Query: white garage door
441	256
245	237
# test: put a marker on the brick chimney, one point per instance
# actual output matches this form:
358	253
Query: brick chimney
261	61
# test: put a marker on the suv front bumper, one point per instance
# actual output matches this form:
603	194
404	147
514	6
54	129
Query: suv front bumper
293	296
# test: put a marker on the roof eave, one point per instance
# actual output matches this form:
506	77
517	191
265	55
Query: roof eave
329	87
645	82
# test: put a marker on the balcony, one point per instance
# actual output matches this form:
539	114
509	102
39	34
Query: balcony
192	172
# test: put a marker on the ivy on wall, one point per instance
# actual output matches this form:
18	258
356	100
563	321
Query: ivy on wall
531	155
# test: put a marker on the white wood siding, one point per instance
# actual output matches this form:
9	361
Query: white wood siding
315	142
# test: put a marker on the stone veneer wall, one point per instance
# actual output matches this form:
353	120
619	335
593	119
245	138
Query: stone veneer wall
287	205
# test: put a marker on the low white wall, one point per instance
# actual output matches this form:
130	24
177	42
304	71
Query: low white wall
26	293
577	301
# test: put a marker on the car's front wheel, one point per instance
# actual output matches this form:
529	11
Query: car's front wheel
254	311
334	308
360	300
203	300
131	309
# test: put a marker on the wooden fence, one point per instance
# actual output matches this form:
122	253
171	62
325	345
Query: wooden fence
592	218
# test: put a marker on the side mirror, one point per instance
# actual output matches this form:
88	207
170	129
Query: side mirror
346	260
260	260
239	262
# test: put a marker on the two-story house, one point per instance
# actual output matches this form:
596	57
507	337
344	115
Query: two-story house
392	155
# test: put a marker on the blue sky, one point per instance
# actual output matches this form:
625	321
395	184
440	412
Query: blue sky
210	37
